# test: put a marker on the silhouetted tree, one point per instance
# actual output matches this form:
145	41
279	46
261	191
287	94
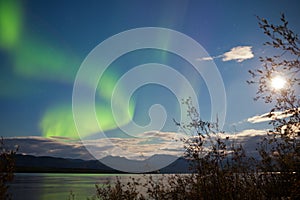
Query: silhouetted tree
286	64
280	150
7	165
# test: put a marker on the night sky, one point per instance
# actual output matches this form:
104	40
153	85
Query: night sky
43	44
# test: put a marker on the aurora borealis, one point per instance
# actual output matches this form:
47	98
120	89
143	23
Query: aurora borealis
44	43
40	60
11	29
58	121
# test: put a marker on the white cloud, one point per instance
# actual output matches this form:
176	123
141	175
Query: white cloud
271	116
239	54
259	118
243	135
209	58
205	58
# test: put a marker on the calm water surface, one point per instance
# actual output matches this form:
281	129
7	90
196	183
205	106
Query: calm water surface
49	186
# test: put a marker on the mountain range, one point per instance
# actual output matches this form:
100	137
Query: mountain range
47	164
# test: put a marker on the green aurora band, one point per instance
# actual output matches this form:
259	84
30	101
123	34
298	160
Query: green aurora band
34	58
37	59
58	121
10	23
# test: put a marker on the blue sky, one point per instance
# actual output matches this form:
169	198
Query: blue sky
47	41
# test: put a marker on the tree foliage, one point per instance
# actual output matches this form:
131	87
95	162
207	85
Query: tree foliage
280	149
285	63
7	165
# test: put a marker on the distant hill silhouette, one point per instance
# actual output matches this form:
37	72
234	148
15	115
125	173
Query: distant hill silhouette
45	164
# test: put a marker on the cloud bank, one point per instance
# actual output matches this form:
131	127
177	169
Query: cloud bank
239	54
137	148
148	144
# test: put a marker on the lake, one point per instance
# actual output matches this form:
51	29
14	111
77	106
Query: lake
49	186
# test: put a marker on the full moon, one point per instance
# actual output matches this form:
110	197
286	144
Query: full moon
278	82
